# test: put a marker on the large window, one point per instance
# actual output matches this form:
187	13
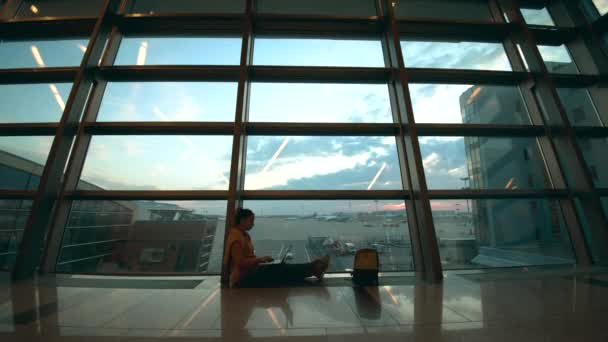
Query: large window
579	107
179	50
168	101
557	59
41	53
452	55
33	102
157	162
22	160
363	8
483	163
468	104
187	6
537	16
482	233
59	8
457	10
336	228
594	151
318	52
305	102
13	217
304	111
322	163
143	236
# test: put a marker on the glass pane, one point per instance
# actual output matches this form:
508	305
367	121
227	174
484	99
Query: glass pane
22	161
179	51
337	228
28	103
318	52
304	102
144	236
446	10
157	163
594	152
470	104
41	53
322	163
483	163
579	107
557	59
321	7
534	16
500	233
602	6
461	55
59	8
188	6
13	218
168	101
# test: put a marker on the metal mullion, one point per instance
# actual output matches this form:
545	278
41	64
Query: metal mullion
77	158
497	194
464	76
127	195
321	129
38	75
441	30
9	9
30	248
563	155
159	25
239	143
589	49
159	128
592	132
18	194
422	219
486	130
56	27
93	243
554	36
60	215
577	81
159	73
388	49
315	26
324	194
585	46
296	74
26	129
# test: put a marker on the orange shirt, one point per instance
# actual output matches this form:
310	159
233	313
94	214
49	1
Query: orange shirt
239	255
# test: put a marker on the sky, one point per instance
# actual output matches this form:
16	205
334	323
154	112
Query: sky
273	162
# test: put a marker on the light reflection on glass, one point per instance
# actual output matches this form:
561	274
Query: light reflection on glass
334	227
483	163
307	163
482	233
462	55
157	163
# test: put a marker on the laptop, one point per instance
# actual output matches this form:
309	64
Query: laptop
281	257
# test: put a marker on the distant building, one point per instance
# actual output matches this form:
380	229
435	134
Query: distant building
109	236
506	163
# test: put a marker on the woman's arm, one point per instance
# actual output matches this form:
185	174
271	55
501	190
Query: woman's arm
241	260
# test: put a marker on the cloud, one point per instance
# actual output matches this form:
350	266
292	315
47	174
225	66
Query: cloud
431	161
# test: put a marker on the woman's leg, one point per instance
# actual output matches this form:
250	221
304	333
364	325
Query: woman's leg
277	274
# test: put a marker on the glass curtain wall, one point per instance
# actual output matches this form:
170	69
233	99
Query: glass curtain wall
324	125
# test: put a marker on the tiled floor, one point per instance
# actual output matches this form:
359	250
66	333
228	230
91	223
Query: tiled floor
516	305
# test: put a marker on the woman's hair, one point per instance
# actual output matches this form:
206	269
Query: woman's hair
242	213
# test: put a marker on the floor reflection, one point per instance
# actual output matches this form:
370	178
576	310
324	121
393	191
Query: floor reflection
536	307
